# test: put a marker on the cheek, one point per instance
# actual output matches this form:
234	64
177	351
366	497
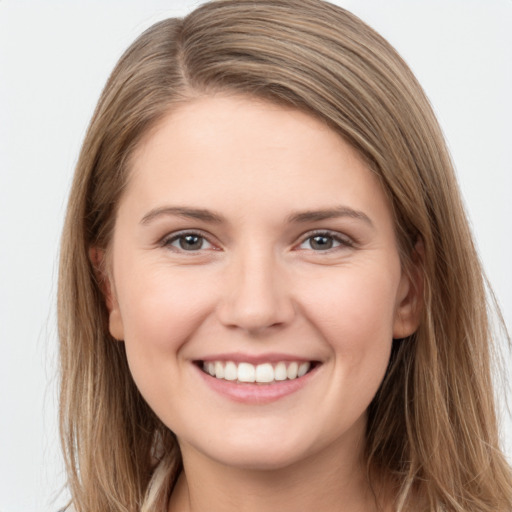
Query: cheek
161	310
354	308
353	312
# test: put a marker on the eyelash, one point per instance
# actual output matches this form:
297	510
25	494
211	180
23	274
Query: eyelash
343	241
176	237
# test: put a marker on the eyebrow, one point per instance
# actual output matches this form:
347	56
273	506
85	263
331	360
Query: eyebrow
329	213
294	218
182	211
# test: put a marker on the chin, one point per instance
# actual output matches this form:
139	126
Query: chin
259	451
268	459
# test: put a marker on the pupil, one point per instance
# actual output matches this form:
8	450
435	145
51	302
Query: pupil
191	242
321	242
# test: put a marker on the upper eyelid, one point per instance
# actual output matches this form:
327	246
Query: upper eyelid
182	232
177	234
327	232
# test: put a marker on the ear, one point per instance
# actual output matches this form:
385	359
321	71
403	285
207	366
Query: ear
105	282
409	306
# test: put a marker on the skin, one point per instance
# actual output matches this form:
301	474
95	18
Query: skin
258	285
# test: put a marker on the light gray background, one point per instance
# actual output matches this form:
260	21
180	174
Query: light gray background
54	59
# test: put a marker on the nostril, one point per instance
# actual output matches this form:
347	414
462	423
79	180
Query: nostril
257	303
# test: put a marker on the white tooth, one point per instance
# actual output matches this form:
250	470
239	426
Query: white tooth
230	372
264	373
211	368
219	370
246	372
292	371
303	369
280	371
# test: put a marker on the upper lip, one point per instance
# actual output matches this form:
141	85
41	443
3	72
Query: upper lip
255	359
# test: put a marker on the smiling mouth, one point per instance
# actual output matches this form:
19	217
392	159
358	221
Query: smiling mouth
265	373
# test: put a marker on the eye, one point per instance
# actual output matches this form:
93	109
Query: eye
324	241
189	242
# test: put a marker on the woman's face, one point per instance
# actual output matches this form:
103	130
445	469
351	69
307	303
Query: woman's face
252	244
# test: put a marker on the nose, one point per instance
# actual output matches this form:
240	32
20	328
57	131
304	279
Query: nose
256	296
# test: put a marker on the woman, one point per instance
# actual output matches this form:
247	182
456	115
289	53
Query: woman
269	295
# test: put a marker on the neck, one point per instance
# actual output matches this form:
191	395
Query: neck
326	481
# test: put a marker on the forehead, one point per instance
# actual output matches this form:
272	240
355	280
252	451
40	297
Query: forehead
245	154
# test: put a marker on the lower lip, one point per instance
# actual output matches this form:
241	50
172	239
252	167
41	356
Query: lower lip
252	393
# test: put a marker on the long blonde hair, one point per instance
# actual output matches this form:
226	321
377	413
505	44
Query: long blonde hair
432	426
